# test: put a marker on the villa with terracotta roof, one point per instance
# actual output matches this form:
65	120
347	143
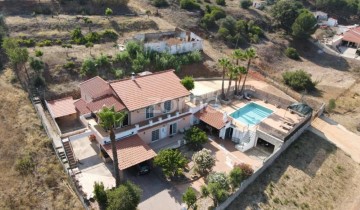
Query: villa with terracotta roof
155	105
159	109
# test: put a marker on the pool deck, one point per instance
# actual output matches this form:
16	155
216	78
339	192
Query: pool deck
276	120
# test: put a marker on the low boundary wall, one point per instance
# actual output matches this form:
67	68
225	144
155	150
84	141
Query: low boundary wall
266	164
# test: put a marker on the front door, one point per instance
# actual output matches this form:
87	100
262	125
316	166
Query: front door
229	133
163	132
173	129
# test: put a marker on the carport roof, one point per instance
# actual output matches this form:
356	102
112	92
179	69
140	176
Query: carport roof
61	107
131	151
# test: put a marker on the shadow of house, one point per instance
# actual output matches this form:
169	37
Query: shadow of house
317	151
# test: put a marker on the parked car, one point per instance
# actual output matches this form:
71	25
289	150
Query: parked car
143	168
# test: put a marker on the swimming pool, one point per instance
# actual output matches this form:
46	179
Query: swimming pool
251	114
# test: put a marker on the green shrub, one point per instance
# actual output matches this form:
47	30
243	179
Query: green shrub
109	34
298	80
58	42
122	57
160	3
195	138
69	65
39	81
45	43
220	2
88	68
332	104
100	193
189	5
125	197
140	62
77	37
27	42
133	48
292	53
194	57
235	177
218	178
188	82
245	4
39	53
172	162
189	197
246	169
213	13
25	165
92	37
119	73
102	61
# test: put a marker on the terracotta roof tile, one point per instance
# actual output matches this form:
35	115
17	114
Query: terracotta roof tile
212	117
149	89
107	101
95	87
352	35
61	107
131	151
81	106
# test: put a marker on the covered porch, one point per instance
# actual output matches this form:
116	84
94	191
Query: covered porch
170	142
130	151
65	116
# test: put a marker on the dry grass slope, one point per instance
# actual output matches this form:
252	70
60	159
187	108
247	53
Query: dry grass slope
22	135
311	174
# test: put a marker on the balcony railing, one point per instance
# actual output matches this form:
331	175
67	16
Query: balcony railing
133	129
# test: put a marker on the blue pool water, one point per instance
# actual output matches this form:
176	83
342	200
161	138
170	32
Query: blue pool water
251	114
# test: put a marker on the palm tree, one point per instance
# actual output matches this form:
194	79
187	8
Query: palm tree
232	74
238	54
109	119
224	63
238	71
250	54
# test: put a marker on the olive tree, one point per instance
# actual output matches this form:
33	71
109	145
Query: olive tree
204	161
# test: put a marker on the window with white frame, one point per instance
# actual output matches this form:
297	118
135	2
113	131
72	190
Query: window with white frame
149	112
167	106
155	135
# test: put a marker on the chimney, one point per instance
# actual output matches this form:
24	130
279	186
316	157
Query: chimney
225	119
132	76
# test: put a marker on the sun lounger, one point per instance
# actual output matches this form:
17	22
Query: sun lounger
285	127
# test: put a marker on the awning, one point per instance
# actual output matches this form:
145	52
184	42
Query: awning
130	151
61	107
212	117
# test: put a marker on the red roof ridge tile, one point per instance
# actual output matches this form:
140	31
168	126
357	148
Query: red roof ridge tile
86	81
153	73
60	99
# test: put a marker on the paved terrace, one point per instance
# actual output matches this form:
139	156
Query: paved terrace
274	124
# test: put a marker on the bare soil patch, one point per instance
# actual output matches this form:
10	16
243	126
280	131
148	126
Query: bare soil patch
45	187
311	174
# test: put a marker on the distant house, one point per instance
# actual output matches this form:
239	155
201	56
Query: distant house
351	38
173	42
320	16
258	4
332	22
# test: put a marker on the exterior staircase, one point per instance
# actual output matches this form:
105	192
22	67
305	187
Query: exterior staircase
69	154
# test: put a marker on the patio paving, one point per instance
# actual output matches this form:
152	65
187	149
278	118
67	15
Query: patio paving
91	166
226	156
165	143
